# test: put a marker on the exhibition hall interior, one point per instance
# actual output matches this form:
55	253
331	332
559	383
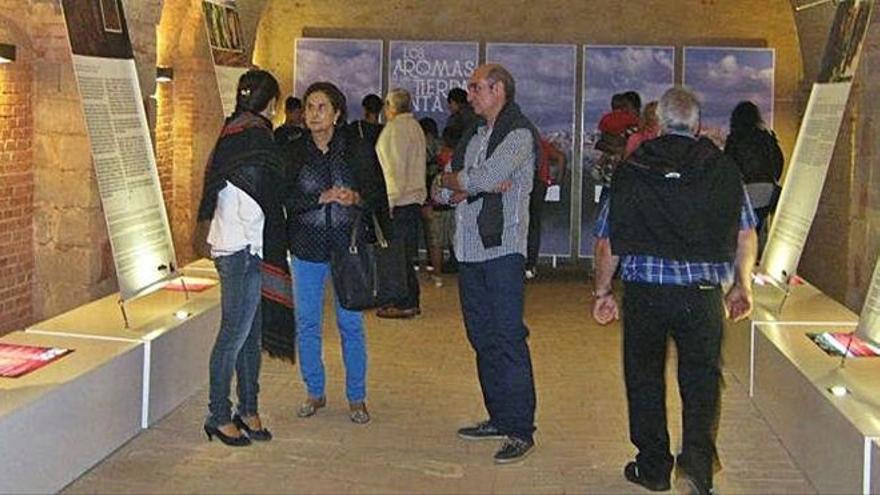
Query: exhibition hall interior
131	337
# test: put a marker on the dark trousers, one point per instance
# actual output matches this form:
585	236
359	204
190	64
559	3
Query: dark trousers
536	206
406	227
492	294
694	318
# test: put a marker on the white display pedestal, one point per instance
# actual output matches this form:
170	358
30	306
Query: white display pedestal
58	421
176	351
875	466
832	439
805	305
201	268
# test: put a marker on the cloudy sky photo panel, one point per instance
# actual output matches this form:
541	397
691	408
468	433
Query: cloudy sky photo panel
546	80
722	77
354	66
648	70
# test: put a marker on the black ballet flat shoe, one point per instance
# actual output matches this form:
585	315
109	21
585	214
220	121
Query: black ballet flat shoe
240	441
262	435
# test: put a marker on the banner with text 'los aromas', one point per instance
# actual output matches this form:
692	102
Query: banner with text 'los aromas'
428	70
122	152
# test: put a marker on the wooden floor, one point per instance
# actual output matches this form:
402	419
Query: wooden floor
422	386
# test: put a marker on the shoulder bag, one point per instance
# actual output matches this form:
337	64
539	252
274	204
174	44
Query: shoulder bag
369	275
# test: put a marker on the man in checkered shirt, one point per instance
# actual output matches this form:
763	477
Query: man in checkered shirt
493	169
679	223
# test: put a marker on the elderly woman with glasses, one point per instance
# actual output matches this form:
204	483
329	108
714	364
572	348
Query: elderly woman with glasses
333	177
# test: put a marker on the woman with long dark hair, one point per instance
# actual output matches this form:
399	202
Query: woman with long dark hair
241	201
756	152
333	177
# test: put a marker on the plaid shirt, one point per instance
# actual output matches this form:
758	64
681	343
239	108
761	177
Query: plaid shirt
663	271
513	160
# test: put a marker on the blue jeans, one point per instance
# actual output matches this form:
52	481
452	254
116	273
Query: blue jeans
492	294
309	280
238	341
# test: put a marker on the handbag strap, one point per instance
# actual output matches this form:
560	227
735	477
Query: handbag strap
380	236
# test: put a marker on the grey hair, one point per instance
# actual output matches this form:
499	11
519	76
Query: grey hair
496	73
399	100
679	111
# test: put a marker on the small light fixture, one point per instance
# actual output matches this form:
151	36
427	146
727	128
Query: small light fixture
7	53
164	74
838	390
181	314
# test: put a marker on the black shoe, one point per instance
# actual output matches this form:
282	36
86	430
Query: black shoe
262	435
481	431
397	313
513	450
633	474
687	484
239	441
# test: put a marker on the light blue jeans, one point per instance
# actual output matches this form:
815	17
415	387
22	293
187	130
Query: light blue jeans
309	280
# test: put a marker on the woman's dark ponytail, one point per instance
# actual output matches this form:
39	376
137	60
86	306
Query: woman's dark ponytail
256	88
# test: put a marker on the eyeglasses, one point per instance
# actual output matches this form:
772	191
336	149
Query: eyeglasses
481	86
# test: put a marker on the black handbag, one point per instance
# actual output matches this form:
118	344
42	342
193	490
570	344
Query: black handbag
369	275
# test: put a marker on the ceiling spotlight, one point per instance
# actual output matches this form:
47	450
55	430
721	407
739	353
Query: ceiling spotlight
181	314
164	74
7	53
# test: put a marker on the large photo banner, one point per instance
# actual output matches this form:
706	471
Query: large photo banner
354	66
428	70
546	84
723	77
227	48
122	152
610	70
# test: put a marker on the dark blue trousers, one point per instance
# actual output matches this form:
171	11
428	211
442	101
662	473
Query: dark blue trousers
492	294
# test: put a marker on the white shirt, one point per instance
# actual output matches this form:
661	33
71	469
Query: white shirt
237	223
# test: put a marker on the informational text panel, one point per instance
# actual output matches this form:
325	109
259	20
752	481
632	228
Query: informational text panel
122	152
804	180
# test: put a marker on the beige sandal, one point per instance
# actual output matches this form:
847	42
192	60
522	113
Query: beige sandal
310	406
357	411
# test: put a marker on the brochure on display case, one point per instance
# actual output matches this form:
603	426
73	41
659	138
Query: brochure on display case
18	360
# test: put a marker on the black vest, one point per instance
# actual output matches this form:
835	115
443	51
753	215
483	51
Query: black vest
676	198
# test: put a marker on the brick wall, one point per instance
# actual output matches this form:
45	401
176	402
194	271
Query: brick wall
16	193
164	135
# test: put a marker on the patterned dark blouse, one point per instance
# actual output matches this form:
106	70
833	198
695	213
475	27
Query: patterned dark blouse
315	229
